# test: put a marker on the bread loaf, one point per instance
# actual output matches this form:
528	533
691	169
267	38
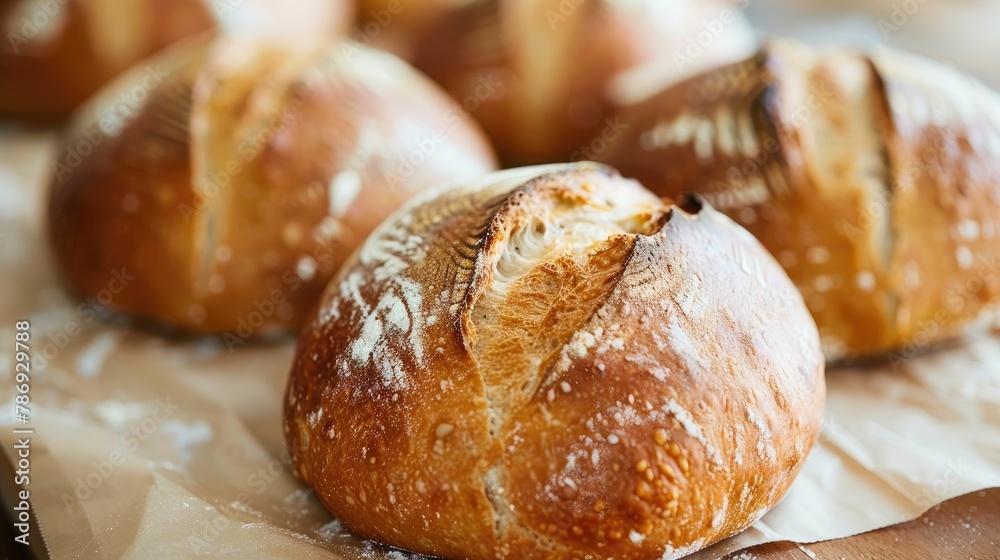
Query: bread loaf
235	185
872	178
536	73
553	363
59	52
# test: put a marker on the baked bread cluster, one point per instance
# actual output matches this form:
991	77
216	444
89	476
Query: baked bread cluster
871	177
543	362
245	173
552	362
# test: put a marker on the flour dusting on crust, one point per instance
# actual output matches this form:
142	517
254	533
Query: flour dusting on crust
692	428
398	313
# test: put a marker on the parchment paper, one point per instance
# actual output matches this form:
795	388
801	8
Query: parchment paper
147	447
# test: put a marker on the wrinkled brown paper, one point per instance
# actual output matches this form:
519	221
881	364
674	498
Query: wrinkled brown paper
146	447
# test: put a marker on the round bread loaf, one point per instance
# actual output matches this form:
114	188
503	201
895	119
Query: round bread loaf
536	73
56	53
231	178
553	363
872	179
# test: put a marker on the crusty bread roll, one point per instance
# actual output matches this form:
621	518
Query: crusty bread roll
56	53
235	185
552	363
537	73
873	180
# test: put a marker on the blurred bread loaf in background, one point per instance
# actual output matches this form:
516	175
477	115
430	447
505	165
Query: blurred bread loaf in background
244	174
872	179
56	53
536	73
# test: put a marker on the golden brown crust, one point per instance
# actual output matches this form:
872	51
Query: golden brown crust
819	155
551	363
247	176
943	142
505	60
